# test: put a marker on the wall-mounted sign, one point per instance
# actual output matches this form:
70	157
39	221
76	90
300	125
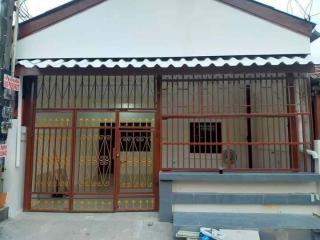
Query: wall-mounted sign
3	150
11	83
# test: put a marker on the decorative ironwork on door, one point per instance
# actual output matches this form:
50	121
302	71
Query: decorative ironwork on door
90	158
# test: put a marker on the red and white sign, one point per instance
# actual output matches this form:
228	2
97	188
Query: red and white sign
11	83
3	150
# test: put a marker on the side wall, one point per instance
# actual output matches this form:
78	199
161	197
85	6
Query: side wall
14	176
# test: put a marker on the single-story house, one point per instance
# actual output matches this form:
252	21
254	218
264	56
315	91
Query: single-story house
198	109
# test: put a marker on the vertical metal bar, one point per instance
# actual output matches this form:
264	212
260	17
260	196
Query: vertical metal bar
35	157
69	88
54	155
312	118
102	91
115	92
42	92
268	127
121	92
128	97
42	158
82	92
75	92
86	153
62	97
167	121
177	95
279	122
286	124
183	123
55	91
117	162
148	91
134	91
72	168
200	110
66	155
79	139
29	119
49	92
139	157
242	84
262	126
48	160
141	92
109	97
95	91
92	157
293	126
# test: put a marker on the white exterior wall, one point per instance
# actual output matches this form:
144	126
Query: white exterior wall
166	28
14	176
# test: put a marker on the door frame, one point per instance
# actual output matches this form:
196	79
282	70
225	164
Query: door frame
117	164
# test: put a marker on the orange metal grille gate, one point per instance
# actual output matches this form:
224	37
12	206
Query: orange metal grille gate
93	144
98	141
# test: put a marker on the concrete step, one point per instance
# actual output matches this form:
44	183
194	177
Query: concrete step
4	212
193	221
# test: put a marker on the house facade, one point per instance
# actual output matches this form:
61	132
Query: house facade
172	106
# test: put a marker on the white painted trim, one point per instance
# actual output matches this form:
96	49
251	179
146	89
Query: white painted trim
245	188
269	209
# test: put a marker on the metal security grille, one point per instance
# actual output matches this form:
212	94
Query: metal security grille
52	160
93	144
236	122
96	92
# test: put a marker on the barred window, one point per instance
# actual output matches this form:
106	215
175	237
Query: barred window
204	137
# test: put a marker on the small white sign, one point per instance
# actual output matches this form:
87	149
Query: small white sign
11	83
3	150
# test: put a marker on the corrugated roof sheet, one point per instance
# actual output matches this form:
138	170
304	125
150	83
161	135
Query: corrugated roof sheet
166	63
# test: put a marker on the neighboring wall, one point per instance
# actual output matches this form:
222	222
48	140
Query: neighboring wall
14	176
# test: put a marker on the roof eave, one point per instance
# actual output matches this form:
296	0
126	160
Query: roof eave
74	7
278	17
55	15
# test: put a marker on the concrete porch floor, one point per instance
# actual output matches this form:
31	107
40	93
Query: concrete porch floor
105	226
79	226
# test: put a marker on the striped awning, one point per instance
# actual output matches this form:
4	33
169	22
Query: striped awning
168	62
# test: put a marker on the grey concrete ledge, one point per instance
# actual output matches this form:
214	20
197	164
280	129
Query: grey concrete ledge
239	177
4	214
243	199
190	221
